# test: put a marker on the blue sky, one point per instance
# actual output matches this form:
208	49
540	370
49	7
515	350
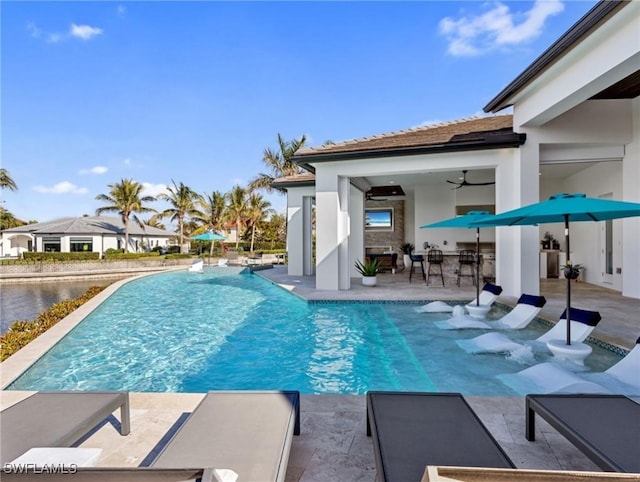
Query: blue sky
94	92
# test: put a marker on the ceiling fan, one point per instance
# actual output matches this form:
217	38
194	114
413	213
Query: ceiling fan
464	181
369	196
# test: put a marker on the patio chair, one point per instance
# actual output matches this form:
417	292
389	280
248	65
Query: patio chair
413	430
57	419
196	266
249	432
606	428
521	315
583	323
621	378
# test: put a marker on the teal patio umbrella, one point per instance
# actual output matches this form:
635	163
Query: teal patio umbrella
466	221
564	208
209	236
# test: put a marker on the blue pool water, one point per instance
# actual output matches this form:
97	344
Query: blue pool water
189	332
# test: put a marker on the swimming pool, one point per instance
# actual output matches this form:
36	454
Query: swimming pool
188	332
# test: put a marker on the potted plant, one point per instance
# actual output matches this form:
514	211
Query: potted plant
407	248
571	271
548	239
369	269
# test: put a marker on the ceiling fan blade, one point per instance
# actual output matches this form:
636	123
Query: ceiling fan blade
481	183
453	182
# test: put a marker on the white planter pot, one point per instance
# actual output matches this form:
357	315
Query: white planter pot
369	280
406	259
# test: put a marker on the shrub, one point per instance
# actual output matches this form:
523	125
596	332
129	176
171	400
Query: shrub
55	256
119	255
178	256
21	332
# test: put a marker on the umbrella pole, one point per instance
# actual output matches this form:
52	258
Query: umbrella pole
477	266
566	238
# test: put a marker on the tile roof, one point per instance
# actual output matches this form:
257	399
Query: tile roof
301	179
88	225
475	129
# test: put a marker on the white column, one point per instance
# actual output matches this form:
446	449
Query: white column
307	237
517	253
631	226
332	231
299	224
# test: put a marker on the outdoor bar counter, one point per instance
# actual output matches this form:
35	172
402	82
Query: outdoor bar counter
450	268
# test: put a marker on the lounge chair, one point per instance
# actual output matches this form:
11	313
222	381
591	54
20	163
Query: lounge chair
249	432
196	266
487	296
526	309
413	430
606	428
484	474
57	419
583	323
621	378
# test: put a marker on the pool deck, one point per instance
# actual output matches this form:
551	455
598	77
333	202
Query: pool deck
333	445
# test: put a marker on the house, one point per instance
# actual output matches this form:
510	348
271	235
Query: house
84	234
575	127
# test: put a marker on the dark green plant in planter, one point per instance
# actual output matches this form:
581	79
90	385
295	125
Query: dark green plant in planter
571	271
407	248
368	268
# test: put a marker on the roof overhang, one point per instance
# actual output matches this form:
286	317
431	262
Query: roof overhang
582	28
499	141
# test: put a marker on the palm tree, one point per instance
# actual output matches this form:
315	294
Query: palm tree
6	182
154	223
182	199
279	163
125	197
237	209
213	207
8	220
257	211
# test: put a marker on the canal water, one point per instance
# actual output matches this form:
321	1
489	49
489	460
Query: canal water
25	301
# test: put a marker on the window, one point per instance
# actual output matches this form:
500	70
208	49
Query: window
81	245
51	245
379	219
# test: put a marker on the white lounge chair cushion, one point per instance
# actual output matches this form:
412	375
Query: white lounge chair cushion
435	307
488	295
526	309
627	370
489	343
549	378
461	322
583	323
64	456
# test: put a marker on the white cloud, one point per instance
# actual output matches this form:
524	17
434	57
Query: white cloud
127	161
94	170
62	188
153	189
122	10
498	27
33	30
85	32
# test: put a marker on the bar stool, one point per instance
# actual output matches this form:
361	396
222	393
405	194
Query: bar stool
435	258
417	258
467	258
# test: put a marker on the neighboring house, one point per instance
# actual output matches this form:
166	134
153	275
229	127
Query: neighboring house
85	234
575	128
